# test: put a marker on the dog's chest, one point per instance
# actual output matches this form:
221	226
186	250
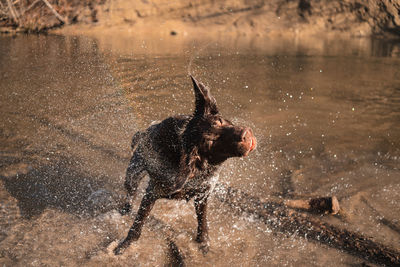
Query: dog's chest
199	186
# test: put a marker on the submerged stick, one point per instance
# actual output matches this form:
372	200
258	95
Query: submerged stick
381	218
282	219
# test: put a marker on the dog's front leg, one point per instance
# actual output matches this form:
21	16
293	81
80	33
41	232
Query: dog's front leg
134	232
200	205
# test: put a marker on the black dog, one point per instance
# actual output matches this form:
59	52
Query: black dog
180	155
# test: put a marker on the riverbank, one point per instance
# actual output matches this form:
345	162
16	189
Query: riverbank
354	18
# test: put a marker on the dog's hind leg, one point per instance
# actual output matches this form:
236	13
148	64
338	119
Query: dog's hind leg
134	232
134	175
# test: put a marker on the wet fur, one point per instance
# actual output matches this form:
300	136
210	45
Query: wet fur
180	155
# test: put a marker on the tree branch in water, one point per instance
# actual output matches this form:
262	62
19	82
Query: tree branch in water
280	218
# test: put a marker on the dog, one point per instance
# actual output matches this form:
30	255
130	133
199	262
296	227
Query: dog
180	155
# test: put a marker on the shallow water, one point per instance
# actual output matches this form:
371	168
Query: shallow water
326	114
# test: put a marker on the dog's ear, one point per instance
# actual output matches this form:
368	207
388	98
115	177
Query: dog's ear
205	102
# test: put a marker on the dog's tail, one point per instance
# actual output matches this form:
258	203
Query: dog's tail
136	140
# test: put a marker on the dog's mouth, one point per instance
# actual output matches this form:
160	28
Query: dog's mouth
251	145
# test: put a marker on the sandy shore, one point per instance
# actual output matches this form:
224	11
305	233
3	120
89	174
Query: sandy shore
353	18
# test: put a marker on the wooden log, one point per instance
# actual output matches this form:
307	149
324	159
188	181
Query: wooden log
315	205
285	220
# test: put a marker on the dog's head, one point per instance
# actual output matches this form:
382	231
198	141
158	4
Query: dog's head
215	138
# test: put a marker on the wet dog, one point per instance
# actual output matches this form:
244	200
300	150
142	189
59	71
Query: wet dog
180	155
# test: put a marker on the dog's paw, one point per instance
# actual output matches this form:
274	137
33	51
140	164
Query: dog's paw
125	209
118	250
121	247
204	245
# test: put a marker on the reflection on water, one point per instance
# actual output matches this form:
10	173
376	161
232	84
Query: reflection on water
326	114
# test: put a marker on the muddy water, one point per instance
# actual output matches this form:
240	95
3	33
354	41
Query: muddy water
326	114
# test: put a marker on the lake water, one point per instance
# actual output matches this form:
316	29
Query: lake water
326	114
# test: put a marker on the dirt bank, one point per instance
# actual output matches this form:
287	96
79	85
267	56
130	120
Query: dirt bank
258	17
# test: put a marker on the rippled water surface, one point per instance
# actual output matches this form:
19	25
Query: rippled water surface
326	115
